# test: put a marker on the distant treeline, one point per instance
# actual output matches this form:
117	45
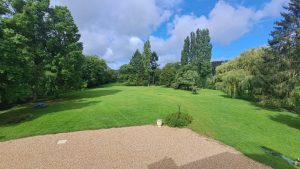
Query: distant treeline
268	75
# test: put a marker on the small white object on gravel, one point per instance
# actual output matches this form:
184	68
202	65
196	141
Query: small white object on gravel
61	142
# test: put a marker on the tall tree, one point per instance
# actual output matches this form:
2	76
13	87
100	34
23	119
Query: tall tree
146	60
282	68
48	44
203	55
154	65
64	61
185	53
197	52
193	46
137	64
32	23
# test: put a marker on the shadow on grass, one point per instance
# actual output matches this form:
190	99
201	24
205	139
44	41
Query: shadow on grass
258	106
288	120
224	160
73	101
274	158
86	94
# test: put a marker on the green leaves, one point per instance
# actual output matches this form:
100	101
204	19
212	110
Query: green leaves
142	68
41	51
197	52
95	72
241	76
281	64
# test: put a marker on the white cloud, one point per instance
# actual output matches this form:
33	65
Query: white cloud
225	22
135	41
113	29
108	26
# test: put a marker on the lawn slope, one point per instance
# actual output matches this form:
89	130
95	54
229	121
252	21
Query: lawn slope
235	122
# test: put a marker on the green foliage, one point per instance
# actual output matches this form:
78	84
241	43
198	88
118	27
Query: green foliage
40	50
185	53
14	72
281	68
168	74
124	73
178	119
147	56
63	59
241	76
186	78
142	69
197	52
95	71
136	62
154	66
194	89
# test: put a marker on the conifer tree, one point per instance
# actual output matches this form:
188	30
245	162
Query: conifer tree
282	63
146	60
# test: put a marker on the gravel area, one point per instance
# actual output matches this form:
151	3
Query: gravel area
140	147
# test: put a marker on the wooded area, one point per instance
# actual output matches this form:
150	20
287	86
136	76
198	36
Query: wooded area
41	56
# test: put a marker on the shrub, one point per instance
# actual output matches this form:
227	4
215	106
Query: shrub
178	119
195	89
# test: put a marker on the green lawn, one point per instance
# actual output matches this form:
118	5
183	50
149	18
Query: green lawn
235	122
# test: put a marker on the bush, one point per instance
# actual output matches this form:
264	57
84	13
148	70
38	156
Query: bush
195	89
178	119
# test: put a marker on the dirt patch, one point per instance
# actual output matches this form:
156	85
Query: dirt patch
141	147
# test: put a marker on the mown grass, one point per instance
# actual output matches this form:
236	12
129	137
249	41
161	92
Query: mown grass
235	122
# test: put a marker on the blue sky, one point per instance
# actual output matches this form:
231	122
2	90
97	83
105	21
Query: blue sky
114	32
256	37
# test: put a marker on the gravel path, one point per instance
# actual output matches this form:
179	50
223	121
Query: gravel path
141	147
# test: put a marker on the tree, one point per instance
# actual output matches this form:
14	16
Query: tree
137	64
146	60
154	65
282	68
185	53
47	49
192	47
124	73
197	52
32	22
202	55
168	73
241	76
64	53
4	9
188	80
186	77
95	71
14	72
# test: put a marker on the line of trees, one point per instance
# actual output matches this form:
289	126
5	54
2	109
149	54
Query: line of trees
195	68
40	52
143	68
192	72
270	74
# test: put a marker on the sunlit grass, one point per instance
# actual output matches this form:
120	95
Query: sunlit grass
235	122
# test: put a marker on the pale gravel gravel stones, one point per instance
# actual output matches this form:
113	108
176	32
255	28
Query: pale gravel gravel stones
140	147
